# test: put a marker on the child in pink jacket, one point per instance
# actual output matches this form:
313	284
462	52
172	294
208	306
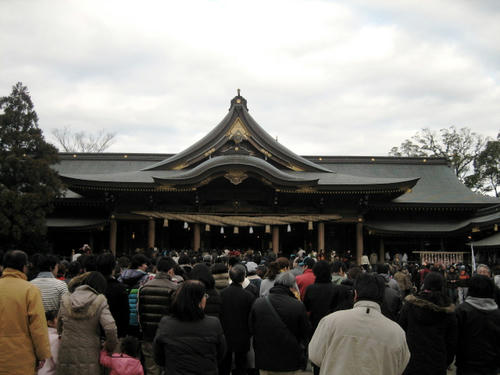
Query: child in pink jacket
125	363
50	366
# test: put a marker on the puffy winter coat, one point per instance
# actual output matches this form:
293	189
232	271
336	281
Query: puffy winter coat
133	280
155	298
189	347
431	333
81	317
23	330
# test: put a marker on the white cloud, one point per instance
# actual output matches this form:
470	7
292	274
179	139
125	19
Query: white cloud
327	77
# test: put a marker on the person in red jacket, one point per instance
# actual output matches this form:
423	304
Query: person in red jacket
307	278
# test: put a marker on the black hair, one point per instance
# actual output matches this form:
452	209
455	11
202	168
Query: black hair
186	302
130	346
123	261
202	273
218	268
138	260
88	262
434	289
164	264
15	259
1	257
481	286
382	268
309	262
232	261
434	282
354	272
74	269
46	262
322	272
370	287
337	266
50	315
105	264
184	259
237	273
96	281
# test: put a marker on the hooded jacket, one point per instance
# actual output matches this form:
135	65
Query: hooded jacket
81	317
479	336
431	333
23	328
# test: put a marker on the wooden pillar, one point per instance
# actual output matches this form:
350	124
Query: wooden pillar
381	251
321	236
276	239
151	232
359	242
112	235
196	237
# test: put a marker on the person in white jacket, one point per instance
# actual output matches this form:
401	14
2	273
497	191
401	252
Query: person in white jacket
360	340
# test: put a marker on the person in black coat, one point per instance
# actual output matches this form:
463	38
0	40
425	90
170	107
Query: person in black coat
431	328
478	318
188	341
280	332
116	293
324	297
236	305
201	272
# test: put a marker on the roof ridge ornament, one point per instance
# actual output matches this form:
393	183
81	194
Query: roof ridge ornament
239	101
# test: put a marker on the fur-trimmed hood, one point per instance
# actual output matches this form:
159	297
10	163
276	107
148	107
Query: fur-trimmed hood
422	302
426	312
77	281
83	303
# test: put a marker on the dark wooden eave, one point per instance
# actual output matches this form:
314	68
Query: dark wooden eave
238	126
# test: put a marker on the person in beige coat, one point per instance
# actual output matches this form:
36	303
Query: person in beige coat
360	340
24	340
83	312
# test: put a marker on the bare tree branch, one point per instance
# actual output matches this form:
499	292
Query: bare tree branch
82	141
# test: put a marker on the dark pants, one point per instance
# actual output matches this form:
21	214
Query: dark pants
240	363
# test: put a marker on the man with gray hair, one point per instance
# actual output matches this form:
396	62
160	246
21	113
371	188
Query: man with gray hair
280	328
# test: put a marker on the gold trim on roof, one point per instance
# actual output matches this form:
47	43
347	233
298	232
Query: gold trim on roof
235	176
238	131
180	166
209	152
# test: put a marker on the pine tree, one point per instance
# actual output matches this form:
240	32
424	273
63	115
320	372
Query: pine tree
28	185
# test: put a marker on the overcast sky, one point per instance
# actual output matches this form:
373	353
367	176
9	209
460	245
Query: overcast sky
352	77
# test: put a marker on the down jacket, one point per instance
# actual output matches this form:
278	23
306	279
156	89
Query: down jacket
431	333
155	298
82	314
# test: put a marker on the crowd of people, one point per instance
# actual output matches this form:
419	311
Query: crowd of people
244	313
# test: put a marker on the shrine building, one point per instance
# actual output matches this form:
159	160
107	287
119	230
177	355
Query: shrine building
239	188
